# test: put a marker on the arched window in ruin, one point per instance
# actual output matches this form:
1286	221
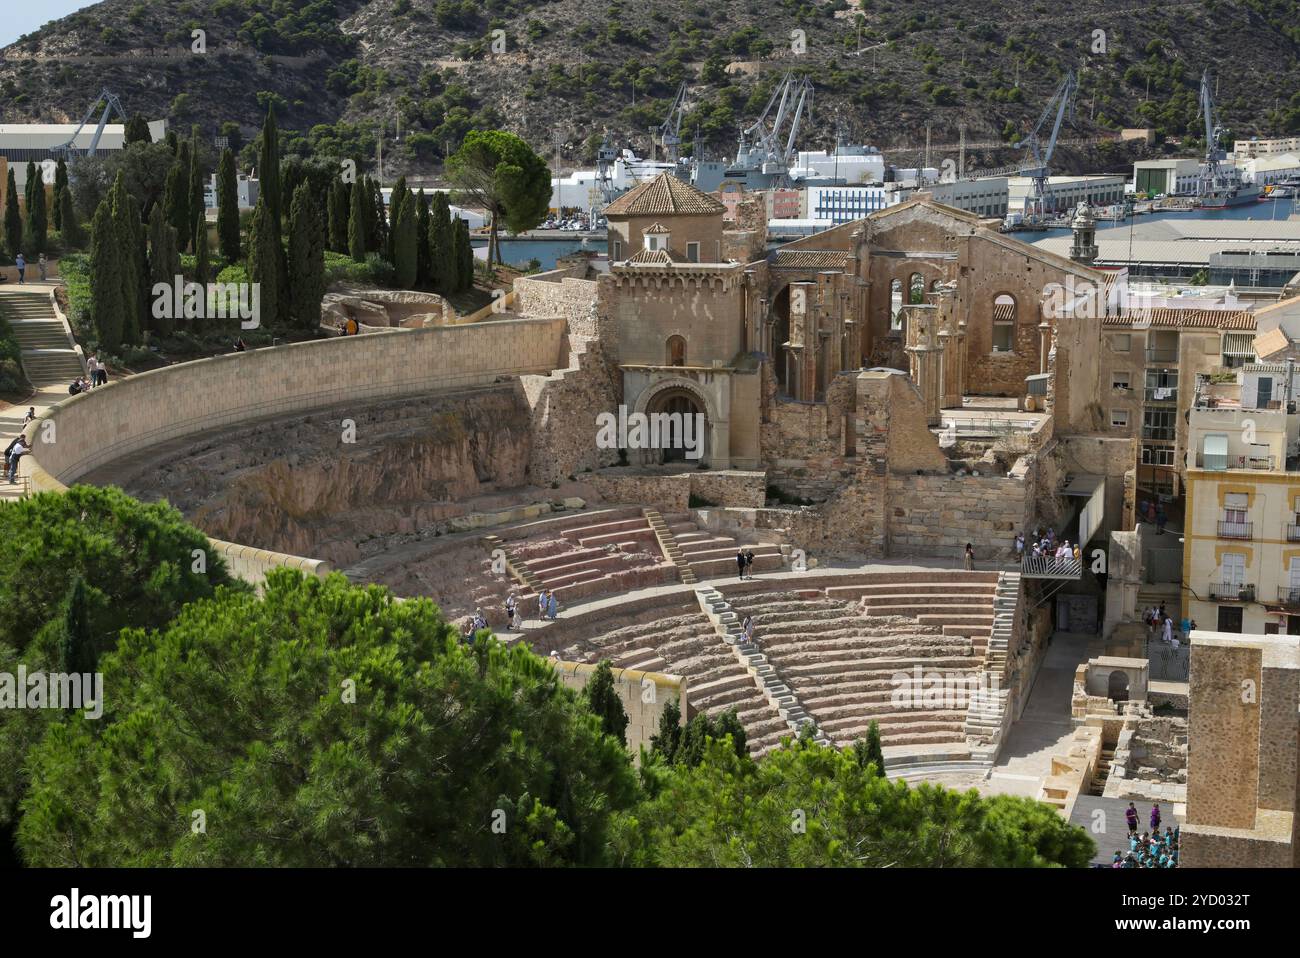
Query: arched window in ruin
1004	323
896	305
916	289
676	351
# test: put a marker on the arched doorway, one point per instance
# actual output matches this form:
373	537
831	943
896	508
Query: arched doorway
780	335
1117	686
676	351
682	426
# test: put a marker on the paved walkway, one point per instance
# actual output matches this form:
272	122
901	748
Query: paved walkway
49	382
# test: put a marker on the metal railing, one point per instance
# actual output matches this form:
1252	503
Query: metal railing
1162	354
1292	533
1236	530
1050	567
1232	592
1288	595
1171	391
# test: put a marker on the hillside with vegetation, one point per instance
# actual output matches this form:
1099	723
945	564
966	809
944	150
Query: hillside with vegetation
428	71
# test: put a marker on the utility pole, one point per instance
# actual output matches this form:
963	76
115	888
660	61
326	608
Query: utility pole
925	165
961	150
380	147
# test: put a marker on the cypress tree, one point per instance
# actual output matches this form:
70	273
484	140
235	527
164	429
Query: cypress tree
268	170
867	751
465	256
306	259
38	224
203	260
602	699
198	216
69	227
406	249
381	221
357	223
423	261
373	245
442	274
228	208
176	198
164	264
338	215
395	203
172	141
134	275
106	306
13	219
263	254
33	177
60	184
669	739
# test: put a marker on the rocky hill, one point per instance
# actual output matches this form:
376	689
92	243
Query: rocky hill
564	70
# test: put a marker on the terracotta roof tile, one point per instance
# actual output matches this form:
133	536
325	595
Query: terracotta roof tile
1176	318
657	257
665	195
811	259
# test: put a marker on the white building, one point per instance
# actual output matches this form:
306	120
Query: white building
1066	192
1269	168
245	190
855	165
983	197
1249	149
581	189
1171	177
843	204
21	143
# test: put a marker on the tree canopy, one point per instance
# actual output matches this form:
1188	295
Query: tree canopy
501	173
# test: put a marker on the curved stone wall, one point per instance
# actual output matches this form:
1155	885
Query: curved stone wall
133	414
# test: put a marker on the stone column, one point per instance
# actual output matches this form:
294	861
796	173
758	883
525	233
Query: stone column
1044	344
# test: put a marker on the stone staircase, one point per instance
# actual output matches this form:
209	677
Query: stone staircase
668	543
517	570
712	555
1005	604
47	356
763	672
1098	784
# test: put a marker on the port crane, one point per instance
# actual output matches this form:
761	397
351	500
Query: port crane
1210	175
669	136
111	103
1038	163
790	99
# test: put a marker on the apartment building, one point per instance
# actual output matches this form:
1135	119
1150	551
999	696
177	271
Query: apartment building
1241	555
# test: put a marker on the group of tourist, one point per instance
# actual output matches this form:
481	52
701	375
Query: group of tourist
20	263
1151	849
472	625
547	607
1154	513
98	376
745	563
1160	625
16	449
1045	544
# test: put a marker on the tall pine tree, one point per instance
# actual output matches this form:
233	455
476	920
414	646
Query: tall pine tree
107	309
198	216
176	198
133	277
69	226
38	224
13	219
357	231
464	256
405	244
203	262
78	644
228	208
423	261
338	215
395	203
268	170
442	270
60	183
164	265
306	259
263	258
33	177
381	222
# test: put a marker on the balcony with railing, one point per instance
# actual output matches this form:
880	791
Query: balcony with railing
1292	533
1050	567
1231	592
1288	595
1167	394
1162	354
1215	462
1236	530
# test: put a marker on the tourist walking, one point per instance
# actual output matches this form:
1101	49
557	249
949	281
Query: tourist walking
970	557
740	563
17	449
1018	546
552	607
749	563
1155	817
510	611
40	265
1131	816
541	604
31	415
21	265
